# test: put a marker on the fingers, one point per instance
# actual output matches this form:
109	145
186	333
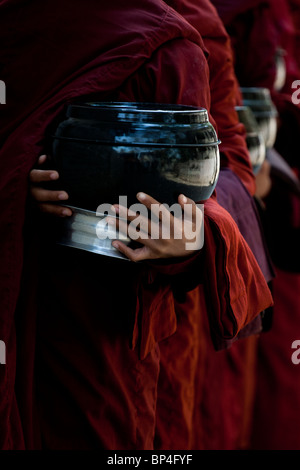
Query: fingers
58	211
42	159
189	207
138	254
43	196
166	236
159	222
131	231
151	222
137	218
40	176
157	209
137	225
46	195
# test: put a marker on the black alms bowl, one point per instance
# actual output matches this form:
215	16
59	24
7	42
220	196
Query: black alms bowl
264	110
104	150
254	138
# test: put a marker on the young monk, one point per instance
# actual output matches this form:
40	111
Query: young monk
218	417
88	328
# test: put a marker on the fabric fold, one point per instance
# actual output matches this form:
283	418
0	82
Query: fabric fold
232	271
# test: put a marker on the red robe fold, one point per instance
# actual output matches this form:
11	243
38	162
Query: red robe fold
87	376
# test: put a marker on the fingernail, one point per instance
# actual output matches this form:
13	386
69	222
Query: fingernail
183	198
54	176
62	196
115	245
66	212
141	196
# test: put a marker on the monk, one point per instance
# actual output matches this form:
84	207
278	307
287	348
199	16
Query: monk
268	27
218	417
87	367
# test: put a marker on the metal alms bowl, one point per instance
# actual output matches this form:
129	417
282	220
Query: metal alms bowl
264	110
254	138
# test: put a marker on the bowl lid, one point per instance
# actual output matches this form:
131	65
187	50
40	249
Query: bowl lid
260	101
138	112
